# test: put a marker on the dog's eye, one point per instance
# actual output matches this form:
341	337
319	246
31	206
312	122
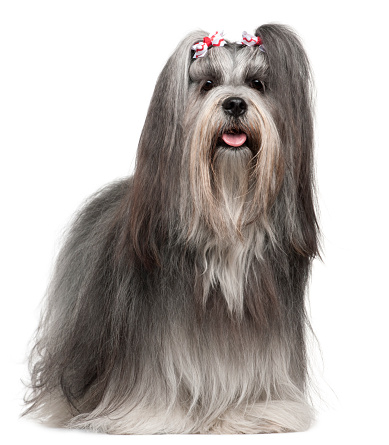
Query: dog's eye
258	85
208	85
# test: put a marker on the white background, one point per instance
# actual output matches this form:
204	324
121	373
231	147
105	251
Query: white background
76	78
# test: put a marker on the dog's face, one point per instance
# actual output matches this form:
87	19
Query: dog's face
232	142
227	93
227	146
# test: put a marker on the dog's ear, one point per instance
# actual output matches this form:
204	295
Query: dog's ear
158	159
162	126
291	88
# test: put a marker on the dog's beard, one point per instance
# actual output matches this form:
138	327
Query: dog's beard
231	183
225	204
229	188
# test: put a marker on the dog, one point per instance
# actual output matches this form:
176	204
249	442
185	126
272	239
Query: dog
177	303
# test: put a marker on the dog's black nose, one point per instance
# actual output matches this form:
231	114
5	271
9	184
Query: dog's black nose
234	106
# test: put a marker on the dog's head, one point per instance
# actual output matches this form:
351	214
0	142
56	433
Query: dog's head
227	143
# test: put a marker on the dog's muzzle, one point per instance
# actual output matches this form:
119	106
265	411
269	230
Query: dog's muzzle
234	107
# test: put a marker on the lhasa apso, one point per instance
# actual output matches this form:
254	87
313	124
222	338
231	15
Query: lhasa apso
177	302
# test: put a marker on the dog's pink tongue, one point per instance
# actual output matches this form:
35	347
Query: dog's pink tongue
235	140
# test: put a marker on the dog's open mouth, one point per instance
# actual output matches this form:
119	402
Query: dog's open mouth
234	140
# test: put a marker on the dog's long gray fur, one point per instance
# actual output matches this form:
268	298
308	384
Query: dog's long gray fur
177	303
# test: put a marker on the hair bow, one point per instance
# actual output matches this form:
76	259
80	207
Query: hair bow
200	48
250	40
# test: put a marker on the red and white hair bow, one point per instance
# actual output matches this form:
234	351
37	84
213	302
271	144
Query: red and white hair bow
201	48
250	40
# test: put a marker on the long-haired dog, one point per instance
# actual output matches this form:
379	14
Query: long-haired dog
177	301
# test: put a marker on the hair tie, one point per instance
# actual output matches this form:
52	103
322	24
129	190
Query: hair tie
200	48
250	40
